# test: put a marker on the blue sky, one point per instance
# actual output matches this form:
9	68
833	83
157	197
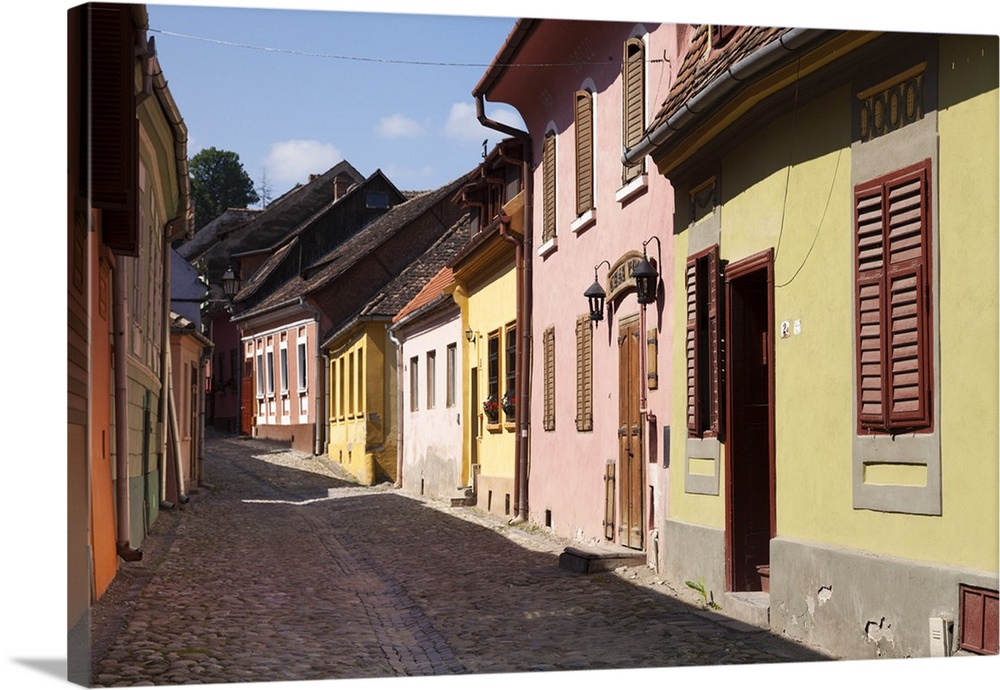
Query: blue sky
293	92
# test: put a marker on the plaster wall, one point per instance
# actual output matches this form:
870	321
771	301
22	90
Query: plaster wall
566	482
292	405
432	436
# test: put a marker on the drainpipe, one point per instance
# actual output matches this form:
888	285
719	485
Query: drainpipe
206	357
120	316
319	434
175	434
522	416
162	406
399	407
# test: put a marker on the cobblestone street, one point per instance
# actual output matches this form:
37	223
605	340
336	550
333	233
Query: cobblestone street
280	568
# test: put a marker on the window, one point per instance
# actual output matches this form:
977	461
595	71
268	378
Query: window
584	374
270	372
219	377
705	364
549	187
633	101
892	273
414	393
260	374
377	200
549	378
493	366
584	151
302	367
350	384
451	368
510	366
283	367
234	364
431	374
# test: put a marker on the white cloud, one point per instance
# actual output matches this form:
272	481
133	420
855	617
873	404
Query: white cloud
398	126
463	124
290	162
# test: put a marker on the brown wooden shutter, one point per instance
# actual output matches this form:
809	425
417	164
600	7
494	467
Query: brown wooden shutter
549	187
584	374
893	321
584	152
716	367
549	364
907	321
633	101
113	128
691	347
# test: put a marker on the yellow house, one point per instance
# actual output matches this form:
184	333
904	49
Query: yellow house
833	454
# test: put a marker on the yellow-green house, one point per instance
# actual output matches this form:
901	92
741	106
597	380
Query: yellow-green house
833	454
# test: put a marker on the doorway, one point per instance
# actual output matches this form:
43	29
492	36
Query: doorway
630	461
750	520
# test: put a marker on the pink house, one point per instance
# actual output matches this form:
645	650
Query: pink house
600	384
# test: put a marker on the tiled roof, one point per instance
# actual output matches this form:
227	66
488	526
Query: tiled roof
215	231
431	290
349	252
702	65
402	290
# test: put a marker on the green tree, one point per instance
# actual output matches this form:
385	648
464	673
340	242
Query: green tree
218	182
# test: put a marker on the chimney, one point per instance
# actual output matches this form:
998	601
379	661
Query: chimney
341	183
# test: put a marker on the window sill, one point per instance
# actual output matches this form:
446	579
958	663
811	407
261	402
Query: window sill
494	428
548	247
632	189
584	221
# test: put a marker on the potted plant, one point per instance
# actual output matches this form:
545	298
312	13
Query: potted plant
491	409
507	403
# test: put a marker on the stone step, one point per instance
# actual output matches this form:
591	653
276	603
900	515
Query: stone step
753	608
598	559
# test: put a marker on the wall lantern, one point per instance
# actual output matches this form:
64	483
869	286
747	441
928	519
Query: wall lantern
646	277
230	283
595	295
469	334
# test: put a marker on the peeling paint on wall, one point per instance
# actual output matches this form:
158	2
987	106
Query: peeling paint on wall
824	595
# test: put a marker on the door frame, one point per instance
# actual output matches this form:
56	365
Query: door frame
736	270
634	491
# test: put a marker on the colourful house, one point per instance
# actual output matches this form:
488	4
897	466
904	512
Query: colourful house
375	274
835	270
600	384
127	201
432	407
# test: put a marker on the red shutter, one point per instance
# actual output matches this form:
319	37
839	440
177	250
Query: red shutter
893	301
908	317
691	347
113	131
715	358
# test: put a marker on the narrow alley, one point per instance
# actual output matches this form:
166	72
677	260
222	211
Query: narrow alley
279	568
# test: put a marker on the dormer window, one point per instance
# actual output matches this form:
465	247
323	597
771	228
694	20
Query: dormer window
376	200
720	34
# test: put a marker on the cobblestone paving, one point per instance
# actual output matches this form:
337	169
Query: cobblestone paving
280	568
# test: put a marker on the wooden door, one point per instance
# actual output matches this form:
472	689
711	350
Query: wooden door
630	464
749	456
246	398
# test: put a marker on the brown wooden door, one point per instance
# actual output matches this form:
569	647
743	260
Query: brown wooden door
630	474
246	398
749	456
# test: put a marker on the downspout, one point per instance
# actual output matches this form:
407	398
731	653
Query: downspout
720	88
319	434
399	407
522	414
163	404
176	446
120	316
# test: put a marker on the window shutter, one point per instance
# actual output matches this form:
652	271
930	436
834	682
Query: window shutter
633	101
691	347
716	362
584	374
549	187
549	364
907	289
584	152
113	128
893	301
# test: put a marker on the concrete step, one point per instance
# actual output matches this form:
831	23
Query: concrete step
598	559
753	608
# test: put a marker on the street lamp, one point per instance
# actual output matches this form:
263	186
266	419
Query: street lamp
646	277
595	295
230	284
